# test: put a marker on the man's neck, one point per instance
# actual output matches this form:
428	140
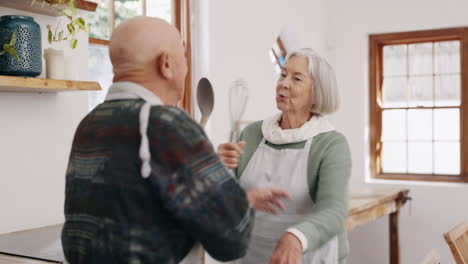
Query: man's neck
159	88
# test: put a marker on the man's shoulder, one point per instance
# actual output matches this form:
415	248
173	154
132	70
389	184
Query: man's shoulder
176	120
171	115
169	111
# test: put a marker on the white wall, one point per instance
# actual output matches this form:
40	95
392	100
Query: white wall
35	138
435	208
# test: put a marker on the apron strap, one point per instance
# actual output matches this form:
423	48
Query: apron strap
308	144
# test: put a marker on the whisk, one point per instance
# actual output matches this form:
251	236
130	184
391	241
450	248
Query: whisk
238	97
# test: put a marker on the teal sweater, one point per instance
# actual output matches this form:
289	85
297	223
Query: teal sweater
329	170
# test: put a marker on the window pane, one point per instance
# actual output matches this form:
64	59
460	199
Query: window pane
159	8
420	58
394	125
394	92
420	157
100	21
421	91
125	9
420	124
394	60
393	157
446	124
99	70
447	90
446	158
447	57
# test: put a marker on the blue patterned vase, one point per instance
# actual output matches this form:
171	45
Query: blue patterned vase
28	46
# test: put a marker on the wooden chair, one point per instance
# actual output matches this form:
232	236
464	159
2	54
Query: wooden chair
457	239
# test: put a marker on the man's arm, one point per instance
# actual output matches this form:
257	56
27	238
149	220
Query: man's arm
196	187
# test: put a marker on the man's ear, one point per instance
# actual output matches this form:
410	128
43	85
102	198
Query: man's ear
165	65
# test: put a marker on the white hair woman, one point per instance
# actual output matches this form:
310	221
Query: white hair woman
300	151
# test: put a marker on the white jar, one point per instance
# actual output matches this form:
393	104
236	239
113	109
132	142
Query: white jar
55	64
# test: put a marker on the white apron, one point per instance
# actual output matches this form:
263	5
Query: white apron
287	169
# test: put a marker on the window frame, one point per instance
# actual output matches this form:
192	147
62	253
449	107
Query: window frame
376	44
180	19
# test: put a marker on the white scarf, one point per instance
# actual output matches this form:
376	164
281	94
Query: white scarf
273	133
129	90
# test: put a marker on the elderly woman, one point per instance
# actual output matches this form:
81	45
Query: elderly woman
300	151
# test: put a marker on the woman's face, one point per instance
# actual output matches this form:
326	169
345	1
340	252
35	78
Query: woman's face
294	86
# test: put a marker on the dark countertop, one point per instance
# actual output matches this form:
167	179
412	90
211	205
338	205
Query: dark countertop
42	243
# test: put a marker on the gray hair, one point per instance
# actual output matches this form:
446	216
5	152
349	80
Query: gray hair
325	89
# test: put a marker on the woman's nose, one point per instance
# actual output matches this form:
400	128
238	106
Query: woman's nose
284	83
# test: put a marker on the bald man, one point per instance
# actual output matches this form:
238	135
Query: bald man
143	183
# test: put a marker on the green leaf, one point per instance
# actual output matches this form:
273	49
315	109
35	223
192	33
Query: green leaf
67	12
6	47
81	21
71	29
60	35
49	36
73	7
11	50
87	28
13	39
73	43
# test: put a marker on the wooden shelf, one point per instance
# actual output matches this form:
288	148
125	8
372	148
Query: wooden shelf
46	10
24	85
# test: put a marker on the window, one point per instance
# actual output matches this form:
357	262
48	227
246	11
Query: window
419	105
109	14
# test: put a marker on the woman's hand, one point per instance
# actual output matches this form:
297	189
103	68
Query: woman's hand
230	152
267	199
288	250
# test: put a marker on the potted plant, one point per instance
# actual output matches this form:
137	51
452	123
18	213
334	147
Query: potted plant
17	56
75	24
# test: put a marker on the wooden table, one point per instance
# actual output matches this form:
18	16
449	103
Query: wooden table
368	205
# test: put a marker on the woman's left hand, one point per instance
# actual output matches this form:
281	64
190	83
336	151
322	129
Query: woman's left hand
288	250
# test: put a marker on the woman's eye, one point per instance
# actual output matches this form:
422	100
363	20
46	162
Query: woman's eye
298	79
283	74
